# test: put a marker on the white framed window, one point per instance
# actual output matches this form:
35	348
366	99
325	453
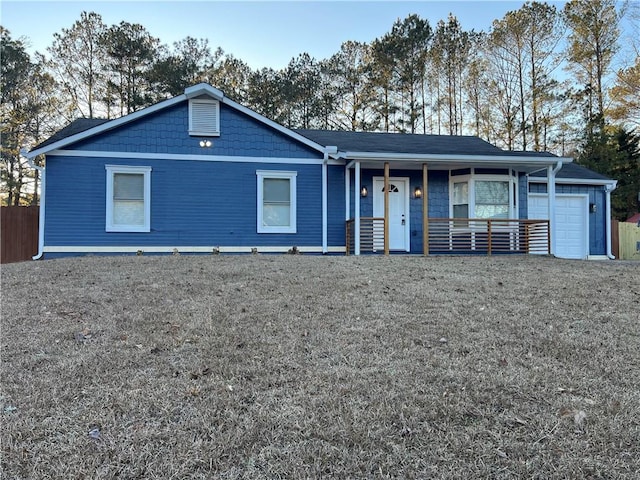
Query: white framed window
204	117
276	201
128	199
483	196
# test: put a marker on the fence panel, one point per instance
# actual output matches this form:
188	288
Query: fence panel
615	238
19	233
629	235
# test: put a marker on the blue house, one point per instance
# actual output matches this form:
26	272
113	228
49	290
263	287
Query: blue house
200	173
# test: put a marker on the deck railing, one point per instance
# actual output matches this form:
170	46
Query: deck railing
473	235
462	236
371	234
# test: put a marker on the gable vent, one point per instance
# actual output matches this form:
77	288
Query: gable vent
204	117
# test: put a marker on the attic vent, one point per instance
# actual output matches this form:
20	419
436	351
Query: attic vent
204	118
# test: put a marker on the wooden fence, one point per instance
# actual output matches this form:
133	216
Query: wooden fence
615	239
629	241
19	233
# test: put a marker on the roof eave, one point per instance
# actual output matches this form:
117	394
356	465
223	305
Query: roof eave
448	158
105	127
276	126
576	181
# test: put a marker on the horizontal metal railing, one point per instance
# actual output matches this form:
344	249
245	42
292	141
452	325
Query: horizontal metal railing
473	235
371	234
462	235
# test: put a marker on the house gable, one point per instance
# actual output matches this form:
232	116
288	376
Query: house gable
92	132
167	132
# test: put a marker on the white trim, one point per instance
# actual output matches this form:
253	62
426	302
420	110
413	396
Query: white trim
407	205
127	169
598	257
195	158
203	89
325	206
607	202
357	213
573	181
472	177
279	174
103	127
347	197
186	249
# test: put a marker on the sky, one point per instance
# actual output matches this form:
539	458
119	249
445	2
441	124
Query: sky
261	33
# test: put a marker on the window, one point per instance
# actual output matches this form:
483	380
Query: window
204	117
128	199
483	196
492	199
461	200
276	201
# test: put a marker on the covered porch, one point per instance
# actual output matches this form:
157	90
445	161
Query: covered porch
446	206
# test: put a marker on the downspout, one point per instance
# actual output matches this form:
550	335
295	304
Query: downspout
608	189
43	182
551	192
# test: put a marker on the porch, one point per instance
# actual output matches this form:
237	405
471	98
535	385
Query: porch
458	236
431	211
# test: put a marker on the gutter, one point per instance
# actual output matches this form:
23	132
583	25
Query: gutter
608	189
43	177
448	158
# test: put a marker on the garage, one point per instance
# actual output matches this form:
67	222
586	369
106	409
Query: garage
572	223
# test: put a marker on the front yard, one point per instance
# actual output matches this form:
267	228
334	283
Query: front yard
288	366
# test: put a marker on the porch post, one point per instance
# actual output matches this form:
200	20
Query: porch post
386	208
425	211
356	221
551	192
347	199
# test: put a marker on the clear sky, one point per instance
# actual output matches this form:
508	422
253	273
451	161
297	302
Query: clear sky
261	33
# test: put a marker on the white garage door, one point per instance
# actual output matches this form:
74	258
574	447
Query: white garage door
571	222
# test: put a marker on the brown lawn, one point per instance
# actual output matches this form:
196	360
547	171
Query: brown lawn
288	366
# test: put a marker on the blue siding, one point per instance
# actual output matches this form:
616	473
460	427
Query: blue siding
192	203
597	220
167	132
336	206
523	199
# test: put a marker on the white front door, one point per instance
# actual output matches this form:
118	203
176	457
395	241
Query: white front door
398	210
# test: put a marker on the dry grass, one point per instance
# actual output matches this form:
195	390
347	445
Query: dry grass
308	367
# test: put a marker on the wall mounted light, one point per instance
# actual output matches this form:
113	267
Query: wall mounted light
205	143
417	193
364	192
593	208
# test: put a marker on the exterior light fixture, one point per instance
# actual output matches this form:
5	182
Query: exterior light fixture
364	192
204	143
417	193
593	208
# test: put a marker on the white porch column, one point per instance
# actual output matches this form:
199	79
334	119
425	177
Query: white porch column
325	247
551	192
347	199
356	222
